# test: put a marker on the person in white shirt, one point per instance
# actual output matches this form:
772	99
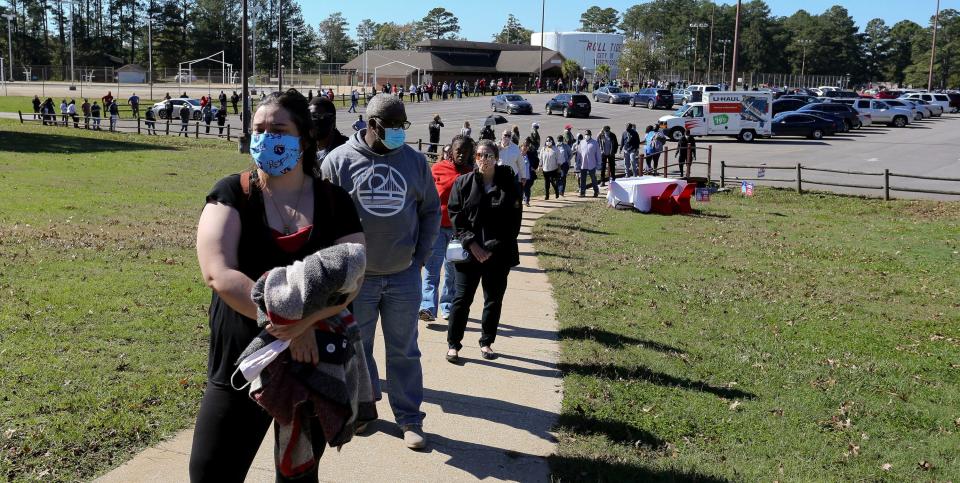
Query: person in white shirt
550	166
511	156
72	112
465	130
63	111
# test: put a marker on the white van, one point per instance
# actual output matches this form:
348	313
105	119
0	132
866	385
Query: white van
933	98
743	115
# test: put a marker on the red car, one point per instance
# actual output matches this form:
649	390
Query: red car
888	94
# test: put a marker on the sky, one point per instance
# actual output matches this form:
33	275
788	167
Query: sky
479	20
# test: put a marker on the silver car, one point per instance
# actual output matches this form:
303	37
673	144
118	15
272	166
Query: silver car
511	104
196	112
611	94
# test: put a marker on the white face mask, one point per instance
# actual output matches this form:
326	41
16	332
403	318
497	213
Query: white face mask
255	363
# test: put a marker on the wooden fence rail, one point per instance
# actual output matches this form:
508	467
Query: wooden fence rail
799	179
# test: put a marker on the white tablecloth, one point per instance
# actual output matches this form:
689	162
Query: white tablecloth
638	190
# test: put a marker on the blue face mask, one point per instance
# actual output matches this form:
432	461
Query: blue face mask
393	138
275	154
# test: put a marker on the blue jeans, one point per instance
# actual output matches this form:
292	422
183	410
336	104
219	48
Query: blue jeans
431	277
631	163
564	169
394	299
593	181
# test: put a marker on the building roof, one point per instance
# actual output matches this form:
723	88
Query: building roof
131	68
449	58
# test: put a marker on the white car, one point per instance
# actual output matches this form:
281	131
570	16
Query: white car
924	110
942	100
880	112
916	113
936	110
196	111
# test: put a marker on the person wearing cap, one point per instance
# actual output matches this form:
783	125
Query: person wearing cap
395	195
434	129
568	135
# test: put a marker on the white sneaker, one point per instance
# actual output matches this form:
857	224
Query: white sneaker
413	436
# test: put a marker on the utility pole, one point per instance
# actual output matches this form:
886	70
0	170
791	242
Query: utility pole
243	144
10	17
933	47
803	63
736	43
72	84
723	59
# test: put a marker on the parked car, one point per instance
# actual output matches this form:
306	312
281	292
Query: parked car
196	112
915	114
841	94
803	97
682	96
569	105
799	124
941	100
703	88
849	115
511	104
653	98
936	110
784	105
887	94
880	112
611	94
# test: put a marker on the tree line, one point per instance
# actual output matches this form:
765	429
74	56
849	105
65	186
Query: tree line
660	36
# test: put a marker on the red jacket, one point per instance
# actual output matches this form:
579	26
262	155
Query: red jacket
444	174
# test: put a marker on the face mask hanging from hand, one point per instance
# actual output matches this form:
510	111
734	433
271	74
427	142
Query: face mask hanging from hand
275	154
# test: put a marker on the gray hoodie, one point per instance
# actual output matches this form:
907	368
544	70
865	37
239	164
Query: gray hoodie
395	197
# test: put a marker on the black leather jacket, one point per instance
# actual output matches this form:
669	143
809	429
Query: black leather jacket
491	219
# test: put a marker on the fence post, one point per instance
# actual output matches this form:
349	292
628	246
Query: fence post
886	185
168	127
138	124
723	168
666	160
799	181
228	132
420	145
197	130
709	161
20	113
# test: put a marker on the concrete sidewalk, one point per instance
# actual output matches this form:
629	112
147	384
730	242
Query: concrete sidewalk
485	419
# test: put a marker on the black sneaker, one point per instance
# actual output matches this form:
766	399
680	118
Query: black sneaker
426	316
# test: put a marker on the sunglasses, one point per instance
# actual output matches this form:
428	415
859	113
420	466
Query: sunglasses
487	156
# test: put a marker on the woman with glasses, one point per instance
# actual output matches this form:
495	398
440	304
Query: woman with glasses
485	211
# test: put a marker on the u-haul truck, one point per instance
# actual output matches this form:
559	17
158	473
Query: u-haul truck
743	115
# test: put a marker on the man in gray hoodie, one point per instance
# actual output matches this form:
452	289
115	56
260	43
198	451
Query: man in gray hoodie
397	201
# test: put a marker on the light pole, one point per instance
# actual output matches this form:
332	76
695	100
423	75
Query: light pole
713	12
543	11
736	43
73	86
933	47
723	58
243	144
803	63
696	40
149	48
10	17
280	46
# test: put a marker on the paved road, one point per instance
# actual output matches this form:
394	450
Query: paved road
928	148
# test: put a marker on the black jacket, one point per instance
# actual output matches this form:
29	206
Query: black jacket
493	219
434	128
608	143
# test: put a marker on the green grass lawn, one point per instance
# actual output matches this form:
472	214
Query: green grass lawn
779	337
102	309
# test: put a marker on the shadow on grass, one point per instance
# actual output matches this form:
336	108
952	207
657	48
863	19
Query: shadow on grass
612	340
27	142
569	469
616	431
641	373
575	228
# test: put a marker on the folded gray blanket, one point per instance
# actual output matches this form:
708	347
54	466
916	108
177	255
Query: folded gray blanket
321	280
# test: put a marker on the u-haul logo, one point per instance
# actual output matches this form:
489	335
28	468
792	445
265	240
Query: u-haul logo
725	99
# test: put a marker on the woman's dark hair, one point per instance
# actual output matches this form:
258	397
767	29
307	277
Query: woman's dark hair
649	128
297	106
550	139
492	146
463	141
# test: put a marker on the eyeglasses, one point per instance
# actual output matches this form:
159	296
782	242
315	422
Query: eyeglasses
392	125
486	156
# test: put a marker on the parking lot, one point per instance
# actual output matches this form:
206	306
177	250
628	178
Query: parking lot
929	148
